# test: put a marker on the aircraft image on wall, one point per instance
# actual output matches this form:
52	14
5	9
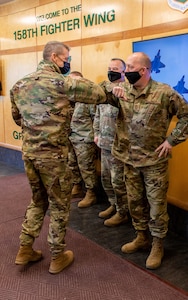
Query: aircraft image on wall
180	86
169	60
156	64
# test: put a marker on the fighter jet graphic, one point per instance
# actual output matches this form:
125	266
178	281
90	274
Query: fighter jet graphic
156	64
180	86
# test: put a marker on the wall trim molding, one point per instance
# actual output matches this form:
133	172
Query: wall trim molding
139	33
9	146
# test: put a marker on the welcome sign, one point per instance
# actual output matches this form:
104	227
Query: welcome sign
63	24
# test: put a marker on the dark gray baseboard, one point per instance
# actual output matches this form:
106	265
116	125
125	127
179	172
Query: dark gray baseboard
12	157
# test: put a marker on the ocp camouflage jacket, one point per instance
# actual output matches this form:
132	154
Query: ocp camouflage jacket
41	105
143	122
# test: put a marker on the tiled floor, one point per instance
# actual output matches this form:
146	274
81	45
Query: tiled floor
174	268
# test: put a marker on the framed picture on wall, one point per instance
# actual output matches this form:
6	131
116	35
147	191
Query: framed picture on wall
169	60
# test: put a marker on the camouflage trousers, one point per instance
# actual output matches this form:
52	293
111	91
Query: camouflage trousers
50	182
82	162
112	177
146	190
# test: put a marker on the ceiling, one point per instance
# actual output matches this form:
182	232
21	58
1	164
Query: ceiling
5	1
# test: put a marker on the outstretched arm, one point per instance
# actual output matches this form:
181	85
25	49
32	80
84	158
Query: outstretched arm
83	90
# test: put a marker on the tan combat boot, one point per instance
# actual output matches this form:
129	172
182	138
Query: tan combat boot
26	254
59	263
140	242
107	212
77	190
116	220
157	252
88	200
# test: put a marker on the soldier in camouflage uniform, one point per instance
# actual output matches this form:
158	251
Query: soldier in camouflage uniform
112	169
83	164
146	110
41	105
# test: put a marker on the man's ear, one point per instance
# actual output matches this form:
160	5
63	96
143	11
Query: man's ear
53	56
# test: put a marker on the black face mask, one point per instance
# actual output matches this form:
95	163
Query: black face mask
132	77
66	68
113	76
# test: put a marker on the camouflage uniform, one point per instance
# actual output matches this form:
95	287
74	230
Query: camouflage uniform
112	169
84	152
142	126
41	105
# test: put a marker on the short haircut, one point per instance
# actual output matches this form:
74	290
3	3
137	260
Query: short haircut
54	47
121	60
76	73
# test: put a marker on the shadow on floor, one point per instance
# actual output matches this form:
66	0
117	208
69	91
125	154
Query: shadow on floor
174	268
